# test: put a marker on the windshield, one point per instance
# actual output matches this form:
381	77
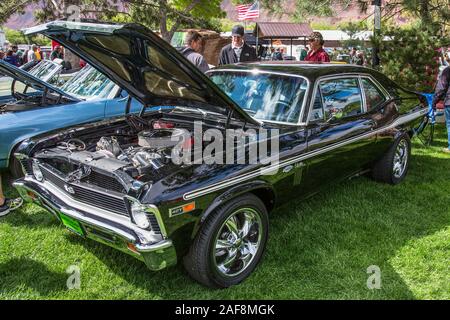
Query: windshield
44	70
89	83
264	96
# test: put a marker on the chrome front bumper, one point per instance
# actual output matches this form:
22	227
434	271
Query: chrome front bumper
99	225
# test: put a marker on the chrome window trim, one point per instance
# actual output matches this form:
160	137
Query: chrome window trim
258	71
261	171
363	95
331	77
380	88
345	75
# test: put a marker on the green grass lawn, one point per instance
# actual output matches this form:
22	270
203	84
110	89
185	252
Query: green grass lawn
319	248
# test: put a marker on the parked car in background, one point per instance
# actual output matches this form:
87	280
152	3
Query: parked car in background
343	57
116	181
45	70
30	106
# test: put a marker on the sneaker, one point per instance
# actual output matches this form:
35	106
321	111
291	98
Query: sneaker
10	205
445	150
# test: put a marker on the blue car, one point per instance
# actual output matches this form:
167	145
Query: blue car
30	106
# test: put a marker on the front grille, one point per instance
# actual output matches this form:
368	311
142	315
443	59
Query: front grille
104	181
26	165
87	195
154	223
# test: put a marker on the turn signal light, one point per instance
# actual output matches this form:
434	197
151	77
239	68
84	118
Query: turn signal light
189	207
31	195
132	247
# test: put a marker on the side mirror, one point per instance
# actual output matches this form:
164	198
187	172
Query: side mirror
334	114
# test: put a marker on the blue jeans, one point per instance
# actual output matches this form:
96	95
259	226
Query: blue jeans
447	122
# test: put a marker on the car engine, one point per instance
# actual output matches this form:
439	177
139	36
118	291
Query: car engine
122	156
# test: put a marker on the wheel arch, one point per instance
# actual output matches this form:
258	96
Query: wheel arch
261	189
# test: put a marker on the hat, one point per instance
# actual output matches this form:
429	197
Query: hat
237	30
316	35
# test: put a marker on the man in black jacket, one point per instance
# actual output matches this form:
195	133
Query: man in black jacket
443	93
238	50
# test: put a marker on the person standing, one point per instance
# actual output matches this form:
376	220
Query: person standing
317	53
57	53
18	54
38	53
303	53
11	58
358	59
238	50
193	46
277	55
353	55
31	55
8	205
442	92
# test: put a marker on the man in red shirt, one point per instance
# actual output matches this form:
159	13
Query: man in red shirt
317	54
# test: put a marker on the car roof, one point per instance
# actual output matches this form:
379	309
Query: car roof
306	69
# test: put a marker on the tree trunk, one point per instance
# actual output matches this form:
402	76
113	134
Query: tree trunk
424	12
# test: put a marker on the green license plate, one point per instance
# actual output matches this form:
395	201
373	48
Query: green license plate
71	224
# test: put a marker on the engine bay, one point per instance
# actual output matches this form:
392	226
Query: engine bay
141	153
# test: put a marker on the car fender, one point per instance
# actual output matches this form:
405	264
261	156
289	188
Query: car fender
19	126
234	192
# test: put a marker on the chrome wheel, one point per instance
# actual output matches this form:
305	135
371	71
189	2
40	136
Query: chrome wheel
400	158
237	242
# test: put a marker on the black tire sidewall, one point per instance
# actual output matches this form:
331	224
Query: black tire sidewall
15	168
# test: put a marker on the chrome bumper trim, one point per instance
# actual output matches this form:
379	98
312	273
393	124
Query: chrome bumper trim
156	252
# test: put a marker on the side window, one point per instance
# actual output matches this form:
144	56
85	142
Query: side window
341	98
317	110
374	97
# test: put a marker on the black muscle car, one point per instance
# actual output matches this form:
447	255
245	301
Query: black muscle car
114	181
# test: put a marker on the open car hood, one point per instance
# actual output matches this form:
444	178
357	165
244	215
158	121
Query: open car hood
7	69
143	64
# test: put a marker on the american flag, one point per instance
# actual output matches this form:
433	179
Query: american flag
247	11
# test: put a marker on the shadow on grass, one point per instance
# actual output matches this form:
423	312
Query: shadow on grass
320	248
22	274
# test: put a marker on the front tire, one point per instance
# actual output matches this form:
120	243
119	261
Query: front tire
15	168
393	167
230	244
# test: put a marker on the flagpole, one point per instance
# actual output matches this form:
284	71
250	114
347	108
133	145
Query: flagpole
256	26
257	33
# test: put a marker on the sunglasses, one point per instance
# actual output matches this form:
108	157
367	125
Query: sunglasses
312	39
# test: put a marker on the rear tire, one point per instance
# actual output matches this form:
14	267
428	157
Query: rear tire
230	244
393	166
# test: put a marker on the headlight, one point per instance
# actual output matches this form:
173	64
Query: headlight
139	215
37	171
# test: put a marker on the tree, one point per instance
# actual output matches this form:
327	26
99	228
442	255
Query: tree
431	13
410	56
168	16
165	15
352	29
302	9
